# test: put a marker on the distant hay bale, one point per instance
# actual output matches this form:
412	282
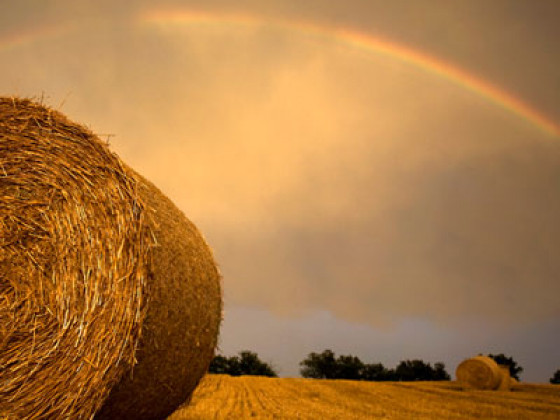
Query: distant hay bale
480	372
505	380
513	383
110	300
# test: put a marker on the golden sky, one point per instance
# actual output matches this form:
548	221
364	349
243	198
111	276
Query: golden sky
329	176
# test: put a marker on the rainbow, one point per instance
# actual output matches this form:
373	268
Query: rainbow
19	40
369	44
348	37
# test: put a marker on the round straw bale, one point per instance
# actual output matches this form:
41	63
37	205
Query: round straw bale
480	372
505	380
110	299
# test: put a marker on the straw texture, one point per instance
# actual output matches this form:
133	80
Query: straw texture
480	372
179	334
99	273
505	378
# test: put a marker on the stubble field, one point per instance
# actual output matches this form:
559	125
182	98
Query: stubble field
226	397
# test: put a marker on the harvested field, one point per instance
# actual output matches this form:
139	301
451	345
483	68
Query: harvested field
226	397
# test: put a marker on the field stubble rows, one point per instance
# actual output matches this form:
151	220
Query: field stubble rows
245	397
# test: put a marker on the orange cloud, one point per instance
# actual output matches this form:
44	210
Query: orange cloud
323	180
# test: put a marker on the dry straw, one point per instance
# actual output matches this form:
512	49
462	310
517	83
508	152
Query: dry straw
99	273
506	379
482	372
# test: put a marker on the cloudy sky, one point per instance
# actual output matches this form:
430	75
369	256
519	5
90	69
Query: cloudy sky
378	178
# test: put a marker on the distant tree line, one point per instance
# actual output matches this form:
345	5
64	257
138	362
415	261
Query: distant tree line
246	363
326	365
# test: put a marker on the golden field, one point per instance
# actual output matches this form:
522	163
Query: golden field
245	397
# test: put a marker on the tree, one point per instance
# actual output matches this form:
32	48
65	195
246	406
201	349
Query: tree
247	363
412	370
319	365
556	378
376	372
418	370
250	364
440	374
502	359
221	365
326	365
349	367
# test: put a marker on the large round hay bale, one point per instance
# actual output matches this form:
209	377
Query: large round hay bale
480	372
110	299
